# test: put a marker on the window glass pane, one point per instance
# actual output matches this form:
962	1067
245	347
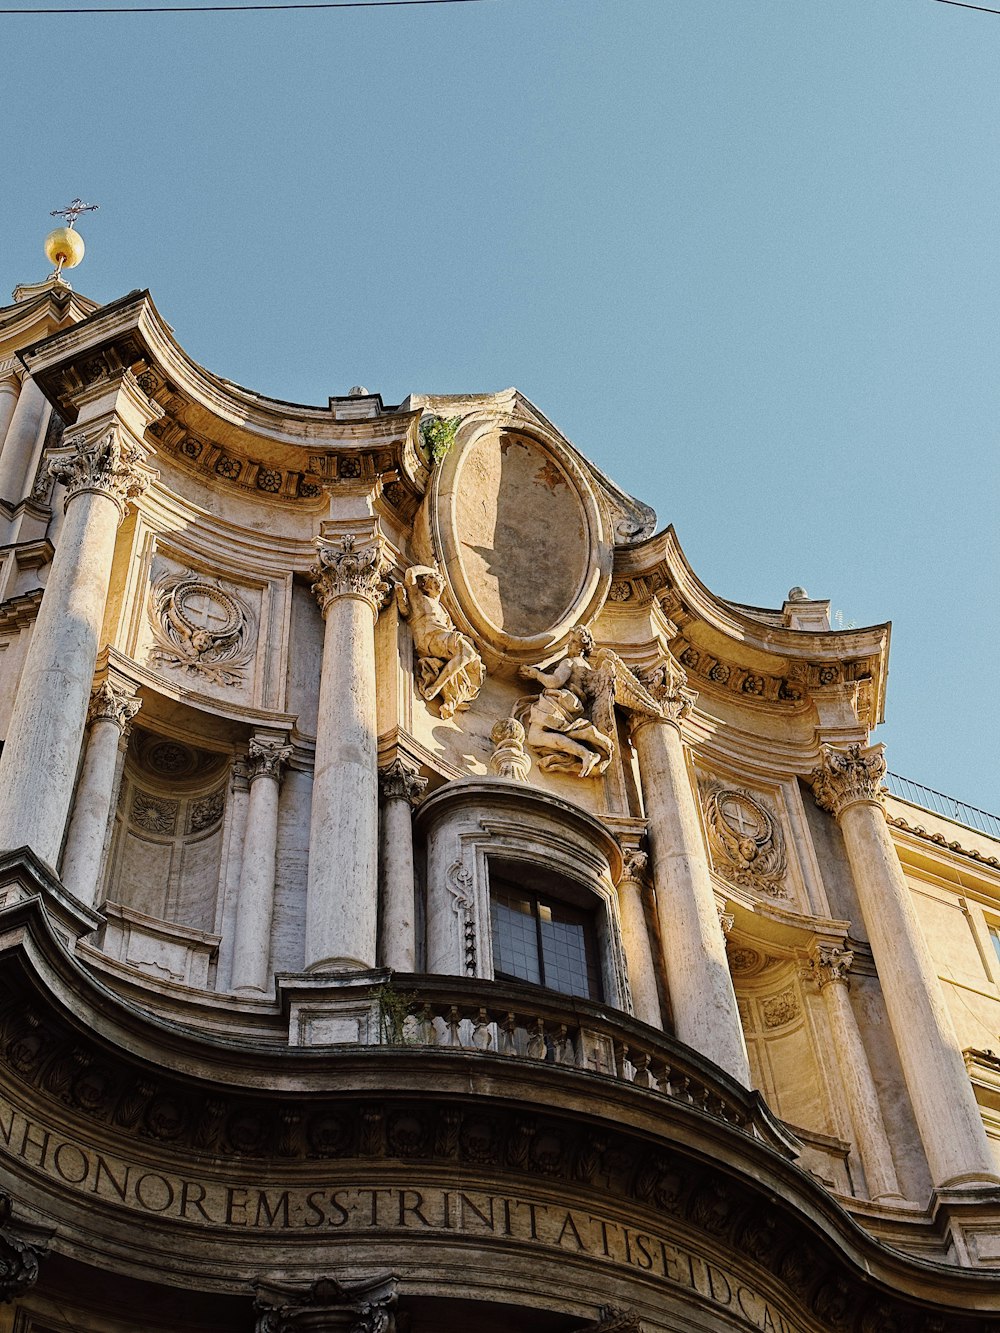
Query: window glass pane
515	937
564	957
995	937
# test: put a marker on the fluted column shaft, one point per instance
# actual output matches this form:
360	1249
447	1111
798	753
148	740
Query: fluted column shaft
401	787
111	713
9	392
830	967
39	763
848	784
694	948
342	895
22	443
636	942
255	907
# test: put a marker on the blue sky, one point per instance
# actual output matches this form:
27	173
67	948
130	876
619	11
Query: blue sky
746	255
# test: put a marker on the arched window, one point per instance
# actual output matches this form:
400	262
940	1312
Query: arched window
541	938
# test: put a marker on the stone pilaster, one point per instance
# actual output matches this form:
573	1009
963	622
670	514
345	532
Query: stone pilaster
694	948
635	936
112	710
104	471
829	968
401	788
848	784
342	899
255	907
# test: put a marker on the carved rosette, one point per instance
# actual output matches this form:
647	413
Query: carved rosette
745	840
108	704
829	962
110	465
342	570
847	777
509	759
397	782
266	757
18	1259
363	1307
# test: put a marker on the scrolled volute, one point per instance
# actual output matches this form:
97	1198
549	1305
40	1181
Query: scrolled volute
847	777
109	464
342	569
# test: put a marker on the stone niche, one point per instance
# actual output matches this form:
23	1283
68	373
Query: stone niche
522	535
163	875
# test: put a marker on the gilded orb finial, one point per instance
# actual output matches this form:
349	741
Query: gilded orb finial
64	246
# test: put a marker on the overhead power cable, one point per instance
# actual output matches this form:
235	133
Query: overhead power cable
963	4
221	9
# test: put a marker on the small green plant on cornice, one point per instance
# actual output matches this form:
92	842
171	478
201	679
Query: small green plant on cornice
394	1007
437	434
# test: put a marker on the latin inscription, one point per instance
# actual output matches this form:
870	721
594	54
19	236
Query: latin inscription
356	1209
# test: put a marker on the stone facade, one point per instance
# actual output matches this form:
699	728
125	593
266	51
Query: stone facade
422	901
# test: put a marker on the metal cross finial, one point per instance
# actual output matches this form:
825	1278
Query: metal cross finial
73	211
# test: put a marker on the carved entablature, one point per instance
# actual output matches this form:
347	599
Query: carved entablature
745	839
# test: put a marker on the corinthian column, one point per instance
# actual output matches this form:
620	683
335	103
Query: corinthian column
694	948
342	895
255	907
848	784
829	967
110	715
9	387
401	789
103	472
635	938
23	442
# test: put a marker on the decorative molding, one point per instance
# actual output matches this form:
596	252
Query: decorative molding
847	777
940	840
745	839
398	782
201	628
342	570
460	883
110	464
111	704
509	758
448	667
265	758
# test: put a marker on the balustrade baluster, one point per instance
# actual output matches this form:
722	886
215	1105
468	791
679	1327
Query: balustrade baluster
537	1046
454	1022
643	1077
508	1035
482	1037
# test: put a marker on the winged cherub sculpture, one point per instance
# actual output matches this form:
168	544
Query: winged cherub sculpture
448	667
571	724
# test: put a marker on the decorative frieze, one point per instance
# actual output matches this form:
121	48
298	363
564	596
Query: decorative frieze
344	570
745	839
201	628
108	464
845	777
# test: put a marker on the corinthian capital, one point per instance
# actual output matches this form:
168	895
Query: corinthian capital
266	758
108	464
341	570
847	777
397	782
667	683
830	963
110	704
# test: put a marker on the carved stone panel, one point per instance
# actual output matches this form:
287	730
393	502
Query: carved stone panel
201	628
745	839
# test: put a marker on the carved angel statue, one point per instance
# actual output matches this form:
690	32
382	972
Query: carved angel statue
572	723
448	666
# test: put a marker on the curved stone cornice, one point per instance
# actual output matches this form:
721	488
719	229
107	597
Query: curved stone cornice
276	450
734	649
434	1118
38	311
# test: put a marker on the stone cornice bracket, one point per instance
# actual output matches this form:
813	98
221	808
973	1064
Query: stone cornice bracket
18	1260
613	1319
265	758
829	962
110	703
364	1307
343	570
397	781
108	463
849	777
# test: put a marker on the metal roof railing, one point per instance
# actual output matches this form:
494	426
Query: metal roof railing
940	804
